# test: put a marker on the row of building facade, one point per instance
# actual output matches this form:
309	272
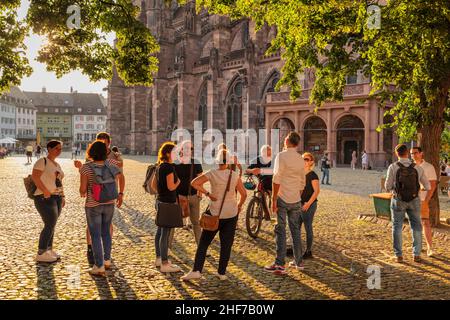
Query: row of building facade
38	117
215	70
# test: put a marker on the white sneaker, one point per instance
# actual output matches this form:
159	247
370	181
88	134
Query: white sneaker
107	264
55	254
47	256
301	266
96	271
222	277
430	253
170	268
191	275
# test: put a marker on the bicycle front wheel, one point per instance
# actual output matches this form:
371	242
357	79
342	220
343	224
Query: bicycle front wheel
254	217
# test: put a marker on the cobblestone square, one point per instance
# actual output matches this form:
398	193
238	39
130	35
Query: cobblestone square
344	248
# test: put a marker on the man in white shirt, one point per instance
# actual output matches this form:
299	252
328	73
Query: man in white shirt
287	187
425	197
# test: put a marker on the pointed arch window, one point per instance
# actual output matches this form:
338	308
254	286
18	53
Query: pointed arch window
173	120
270	87
234	106
203	107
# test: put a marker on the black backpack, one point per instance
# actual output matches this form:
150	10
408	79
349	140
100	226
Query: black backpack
407	182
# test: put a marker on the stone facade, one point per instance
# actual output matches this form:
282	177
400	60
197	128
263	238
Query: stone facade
63	116
211	69
215	70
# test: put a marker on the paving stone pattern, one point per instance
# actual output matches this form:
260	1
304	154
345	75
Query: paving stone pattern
344	247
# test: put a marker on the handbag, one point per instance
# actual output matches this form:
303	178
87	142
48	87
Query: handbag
184	200
30	186
168	215
208	221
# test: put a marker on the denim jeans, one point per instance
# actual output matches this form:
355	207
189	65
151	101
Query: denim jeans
326	173
162	240
162	243
99	221
227	230
412	209
50	210
307	218
292	212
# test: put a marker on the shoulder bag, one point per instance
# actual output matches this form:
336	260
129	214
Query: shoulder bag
168	215
208	221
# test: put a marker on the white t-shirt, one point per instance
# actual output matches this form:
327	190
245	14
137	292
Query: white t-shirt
430	174
218	179
49	175
365	158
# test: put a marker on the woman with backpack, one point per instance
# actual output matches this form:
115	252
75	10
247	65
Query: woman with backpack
98	185
166	182
224	182
48	198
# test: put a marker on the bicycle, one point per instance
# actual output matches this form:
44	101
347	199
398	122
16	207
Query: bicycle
258	208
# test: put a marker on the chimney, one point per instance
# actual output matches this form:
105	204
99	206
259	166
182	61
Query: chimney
44	90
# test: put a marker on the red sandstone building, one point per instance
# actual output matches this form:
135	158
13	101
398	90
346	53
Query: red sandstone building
214	70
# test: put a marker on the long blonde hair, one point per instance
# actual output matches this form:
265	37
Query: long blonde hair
310	155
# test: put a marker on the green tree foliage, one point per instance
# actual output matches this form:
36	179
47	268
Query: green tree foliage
84	48
13	62
407	58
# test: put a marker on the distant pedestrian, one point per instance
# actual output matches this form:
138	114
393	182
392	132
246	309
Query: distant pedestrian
288	185
98	185
402	180
365	160
425	197
38	152
354	160
225	183
309	202
325	168
48	198
29	153
74	152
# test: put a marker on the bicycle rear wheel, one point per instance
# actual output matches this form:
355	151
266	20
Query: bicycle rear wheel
254	217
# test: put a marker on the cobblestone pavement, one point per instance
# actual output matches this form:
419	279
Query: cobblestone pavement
344	248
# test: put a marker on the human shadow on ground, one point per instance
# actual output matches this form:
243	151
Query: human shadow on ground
46	285
120	285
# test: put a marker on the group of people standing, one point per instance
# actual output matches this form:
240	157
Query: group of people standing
292	184
364	160
412	184
102	184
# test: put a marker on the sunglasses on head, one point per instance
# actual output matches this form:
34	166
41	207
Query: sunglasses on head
307	159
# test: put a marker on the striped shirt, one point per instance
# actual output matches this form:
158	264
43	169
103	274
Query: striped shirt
86	170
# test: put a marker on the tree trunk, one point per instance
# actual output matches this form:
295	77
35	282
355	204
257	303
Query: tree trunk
430	142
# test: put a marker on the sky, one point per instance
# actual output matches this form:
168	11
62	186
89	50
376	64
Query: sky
41	77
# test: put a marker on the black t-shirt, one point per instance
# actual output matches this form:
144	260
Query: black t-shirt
309	190
184	174
164	194
266	180
325	165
